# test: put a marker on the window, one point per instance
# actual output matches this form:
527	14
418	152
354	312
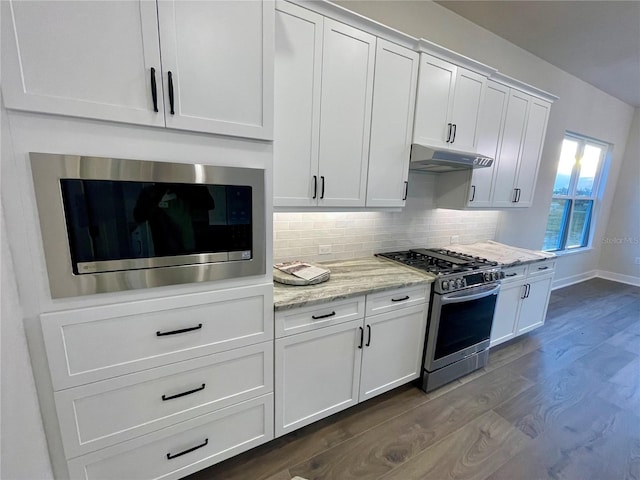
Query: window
574	194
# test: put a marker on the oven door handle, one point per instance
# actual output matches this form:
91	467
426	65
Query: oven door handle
480	292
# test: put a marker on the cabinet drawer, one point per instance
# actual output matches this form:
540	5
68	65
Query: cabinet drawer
514	274
184	448
304	319
93	344
394	299
105	413
540	268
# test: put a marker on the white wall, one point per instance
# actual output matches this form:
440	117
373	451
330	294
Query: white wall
621	241
581	108
362	234
23	446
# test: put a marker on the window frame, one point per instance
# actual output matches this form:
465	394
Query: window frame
572	196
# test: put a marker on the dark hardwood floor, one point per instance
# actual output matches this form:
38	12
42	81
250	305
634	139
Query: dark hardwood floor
562	402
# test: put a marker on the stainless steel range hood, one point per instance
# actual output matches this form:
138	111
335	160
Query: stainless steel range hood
435	160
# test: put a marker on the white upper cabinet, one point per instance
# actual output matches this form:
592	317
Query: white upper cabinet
345	114
448	105
436	85
490	127
511	130
86	59
102	60
298	70
531	151
323	90
466	109
217	60
515	124
520	151
394	96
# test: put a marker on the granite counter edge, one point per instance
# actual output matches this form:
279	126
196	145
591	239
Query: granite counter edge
288	305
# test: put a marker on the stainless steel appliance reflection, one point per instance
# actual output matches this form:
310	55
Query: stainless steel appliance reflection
461	311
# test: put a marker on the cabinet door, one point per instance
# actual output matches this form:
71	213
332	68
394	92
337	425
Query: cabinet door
467	100
316	374
220	59
436	84
298	69
84	59
531	150
394	98
506	315
534	307
345	114
515	123
490	128
392	355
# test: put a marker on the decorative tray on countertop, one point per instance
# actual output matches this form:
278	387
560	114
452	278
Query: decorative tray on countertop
289	279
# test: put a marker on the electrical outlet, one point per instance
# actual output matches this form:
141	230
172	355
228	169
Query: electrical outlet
637	260
324	249
454	239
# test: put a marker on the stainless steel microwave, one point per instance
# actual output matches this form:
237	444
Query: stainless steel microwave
112	224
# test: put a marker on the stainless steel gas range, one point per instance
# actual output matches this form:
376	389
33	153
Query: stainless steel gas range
463	301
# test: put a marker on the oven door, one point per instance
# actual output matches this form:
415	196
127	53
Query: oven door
460	325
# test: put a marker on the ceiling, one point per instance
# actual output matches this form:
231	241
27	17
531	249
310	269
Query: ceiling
597	41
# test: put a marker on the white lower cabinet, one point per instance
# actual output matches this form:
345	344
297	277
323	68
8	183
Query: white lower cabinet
522	301
160	388
181	449
325	370
104	413
392	355
317	374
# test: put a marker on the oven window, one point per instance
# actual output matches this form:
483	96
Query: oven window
464	324
118	220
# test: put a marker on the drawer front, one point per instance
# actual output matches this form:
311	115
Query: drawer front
305	319
541	268
395	299
185	448
105	413
514	274
93	344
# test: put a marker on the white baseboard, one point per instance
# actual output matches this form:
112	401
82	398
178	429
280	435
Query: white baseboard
618	277
565	282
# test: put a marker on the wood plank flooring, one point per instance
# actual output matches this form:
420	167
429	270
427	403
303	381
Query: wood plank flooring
562	402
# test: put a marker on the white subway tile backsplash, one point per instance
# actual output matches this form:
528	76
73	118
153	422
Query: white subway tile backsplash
362	234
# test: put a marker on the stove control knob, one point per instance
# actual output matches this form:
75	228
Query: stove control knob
487	276
445	285
459	283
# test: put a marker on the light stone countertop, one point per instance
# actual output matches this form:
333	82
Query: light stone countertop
505	255
350	278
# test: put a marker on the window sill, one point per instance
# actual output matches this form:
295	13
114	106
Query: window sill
562	253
